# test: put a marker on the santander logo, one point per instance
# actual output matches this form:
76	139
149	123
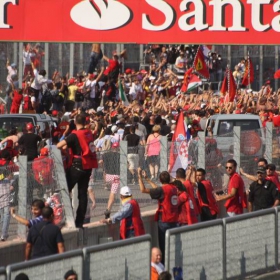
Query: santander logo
101	14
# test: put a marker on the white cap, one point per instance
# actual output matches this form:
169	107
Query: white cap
125	191
152	78
114	128
100	109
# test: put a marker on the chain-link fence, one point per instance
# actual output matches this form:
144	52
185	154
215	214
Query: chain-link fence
8	199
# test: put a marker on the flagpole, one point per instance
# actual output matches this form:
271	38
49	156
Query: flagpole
228	79
195	57
249	84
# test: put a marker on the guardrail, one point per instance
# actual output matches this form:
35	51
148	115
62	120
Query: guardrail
229	248
125	259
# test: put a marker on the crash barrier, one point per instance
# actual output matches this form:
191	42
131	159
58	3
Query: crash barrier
229	248
125	259
2	273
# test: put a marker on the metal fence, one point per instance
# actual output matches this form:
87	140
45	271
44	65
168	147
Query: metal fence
121	260
125	259
52	267
230	248
2	273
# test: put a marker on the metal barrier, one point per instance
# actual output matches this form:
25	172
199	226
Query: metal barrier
230	248
120	260
2	273
52	267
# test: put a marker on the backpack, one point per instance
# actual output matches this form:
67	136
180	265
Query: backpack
106	144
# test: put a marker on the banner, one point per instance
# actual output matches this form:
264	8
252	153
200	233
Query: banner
179	147
141	21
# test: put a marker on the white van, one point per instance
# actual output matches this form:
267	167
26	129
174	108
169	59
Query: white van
222	128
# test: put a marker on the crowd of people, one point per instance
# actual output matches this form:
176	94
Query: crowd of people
94	111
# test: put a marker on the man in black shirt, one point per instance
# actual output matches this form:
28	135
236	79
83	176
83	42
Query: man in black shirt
44	238
29	141
132	155
262	193
77	173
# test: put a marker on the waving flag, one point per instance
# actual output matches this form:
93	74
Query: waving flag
277	74
200	65
194	82
122	95
229	85
187	77
206	49
249	71
179	147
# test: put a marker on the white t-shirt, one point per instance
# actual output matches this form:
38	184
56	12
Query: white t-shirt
91	85
11	72
39	80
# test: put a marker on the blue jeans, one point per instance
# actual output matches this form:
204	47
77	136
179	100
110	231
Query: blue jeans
162	228
5	217
94	59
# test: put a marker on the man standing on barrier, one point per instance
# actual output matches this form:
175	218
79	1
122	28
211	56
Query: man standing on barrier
84	159
167	212
235	196
129	216
262	193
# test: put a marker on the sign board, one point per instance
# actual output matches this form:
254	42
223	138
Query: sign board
142	21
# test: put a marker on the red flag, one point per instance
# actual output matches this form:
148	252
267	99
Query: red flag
200	64
249	69
186	81
229	85
277	74
179	146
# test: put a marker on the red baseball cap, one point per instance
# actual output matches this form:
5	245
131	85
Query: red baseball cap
54	113
44	151
29	126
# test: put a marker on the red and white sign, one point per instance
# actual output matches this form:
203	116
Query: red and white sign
141	21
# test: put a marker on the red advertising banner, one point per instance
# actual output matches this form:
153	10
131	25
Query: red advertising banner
141	21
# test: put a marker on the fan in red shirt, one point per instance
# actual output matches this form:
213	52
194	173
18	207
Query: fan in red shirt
187	215
272	175
235	196
17	98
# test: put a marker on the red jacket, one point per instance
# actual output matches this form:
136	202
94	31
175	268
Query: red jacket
186	210
89	159
137	223
212	204
190	191
168	207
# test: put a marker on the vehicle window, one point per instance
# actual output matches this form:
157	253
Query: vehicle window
225	128
248	124
6	124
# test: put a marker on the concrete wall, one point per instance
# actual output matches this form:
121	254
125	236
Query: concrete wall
93	234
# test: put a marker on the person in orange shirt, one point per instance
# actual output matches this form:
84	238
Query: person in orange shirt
156	266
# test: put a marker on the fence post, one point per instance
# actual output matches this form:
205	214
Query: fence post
22	195
268	141
201	150
276	237
123	163
62	186
236	146
224	246
163	154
